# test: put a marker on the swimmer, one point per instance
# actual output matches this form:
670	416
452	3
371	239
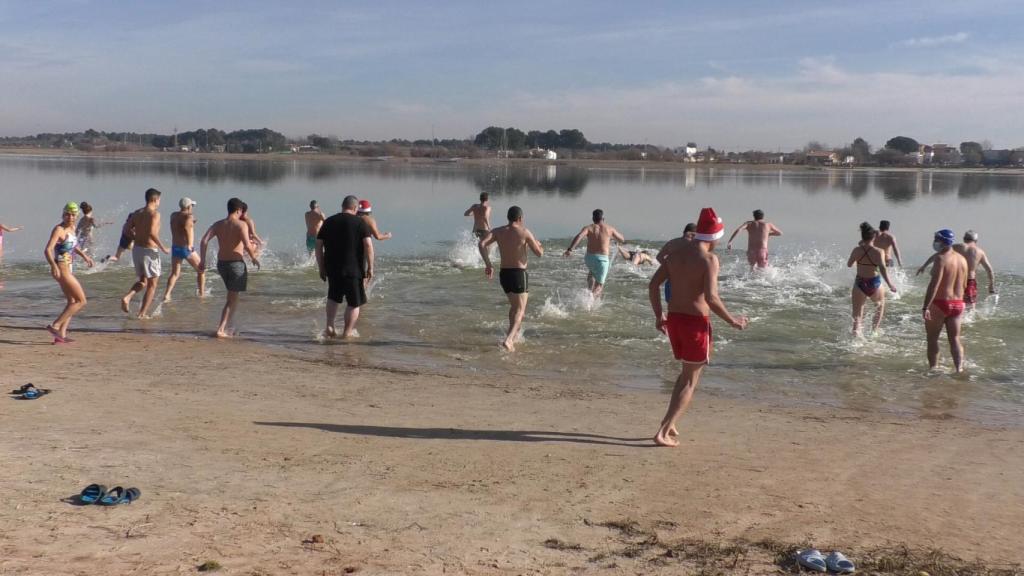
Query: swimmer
944	299
253	236
636	257
6	229
481	216
975	256
59	252
599	237
870	261
314	220
365	211
144	227
233	243
887	243
758	232
183	248
513	240
693	269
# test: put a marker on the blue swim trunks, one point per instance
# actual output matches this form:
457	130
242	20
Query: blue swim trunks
182	252
598	266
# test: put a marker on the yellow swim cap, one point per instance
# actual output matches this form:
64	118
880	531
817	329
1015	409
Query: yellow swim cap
71	208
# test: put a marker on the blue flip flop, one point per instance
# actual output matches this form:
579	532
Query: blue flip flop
33	393
131	495
114	497
92	494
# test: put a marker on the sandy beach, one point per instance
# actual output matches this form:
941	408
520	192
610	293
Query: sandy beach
275	462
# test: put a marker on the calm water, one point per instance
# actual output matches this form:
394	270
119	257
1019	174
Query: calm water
432	309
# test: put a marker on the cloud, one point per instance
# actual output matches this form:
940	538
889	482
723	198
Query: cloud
931	41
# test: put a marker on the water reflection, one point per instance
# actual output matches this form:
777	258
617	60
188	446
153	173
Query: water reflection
549	179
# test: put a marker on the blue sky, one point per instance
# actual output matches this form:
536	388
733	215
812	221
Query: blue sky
728	74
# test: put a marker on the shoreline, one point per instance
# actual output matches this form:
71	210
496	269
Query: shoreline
244	454
392	161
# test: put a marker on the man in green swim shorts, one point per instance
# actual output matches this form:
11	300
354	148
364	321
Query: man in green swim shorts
599	237
314	219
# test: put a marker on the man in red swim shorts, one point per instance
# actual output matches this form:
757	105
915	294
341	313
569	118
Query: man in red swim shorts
692	269
944	299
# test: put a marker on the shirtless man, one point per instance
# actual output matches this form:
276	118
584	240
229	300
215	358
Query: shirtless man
692	268
758	232
481	216
182	248
689	232
975	256
314	220
365	211
887	242
944	299
513	239
599	241
144	228
125	242
233	242
636	257
253	236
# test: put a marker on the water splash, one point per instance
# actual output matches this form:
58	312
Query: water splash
464	253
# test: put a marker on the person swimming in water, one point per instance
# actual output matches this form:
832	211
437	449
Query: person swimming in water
59	252
871	270
636	257
944	299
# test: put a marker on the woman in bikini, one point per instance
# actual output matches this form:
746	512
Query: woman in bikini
870	261
59	252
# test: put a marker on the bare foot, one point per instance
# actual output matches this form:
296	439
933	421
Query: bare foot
222	334
509	345
167	298
52	330
662	439
672	431
124	304
330	332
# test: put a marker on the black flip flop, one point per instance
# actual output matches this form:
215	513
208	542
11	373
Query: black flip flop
131	495
24	388
92	494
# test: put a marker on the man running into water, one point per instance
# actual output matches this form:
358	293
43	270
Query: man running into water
182	248
124	243
513	240
144	228
975	256
692	268
887	243
599	241
365	211
344	257
758	232
233	242
314	219
944	299
481	216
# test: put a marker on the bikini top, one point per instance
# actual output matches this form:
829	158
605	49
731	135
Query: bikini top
63	249
866	254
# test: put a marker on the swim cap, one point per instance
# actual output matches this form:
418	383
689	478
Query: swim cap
364	207
945	236
71	208
970	236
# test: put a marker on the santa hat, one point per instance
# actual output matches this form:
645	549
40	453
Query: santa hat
709	226
364	207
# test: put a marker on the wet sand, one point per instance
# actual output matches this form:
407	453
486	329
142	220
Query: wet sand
274	462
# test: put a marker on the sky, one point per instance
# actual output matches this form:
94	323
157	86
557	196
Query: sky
730	74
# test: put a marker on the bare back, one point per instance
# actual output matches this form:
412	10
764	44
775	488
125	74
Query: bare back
481	216
951	270
182	229
146	224
599	238
688	266
758	232
513	244
232	236
973	254
314	219
885	242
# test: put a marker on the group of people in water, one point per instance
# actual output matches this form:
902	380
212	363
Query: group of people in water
342	246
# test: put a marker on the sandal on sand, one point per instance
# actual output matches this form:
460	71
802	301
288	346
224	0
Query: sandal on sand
114	497
92	494
24	388
131	495
812	560
33	393
838	563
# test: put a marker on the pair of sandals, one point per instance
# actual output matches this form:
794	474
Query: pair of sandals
29	392
835	562
98	494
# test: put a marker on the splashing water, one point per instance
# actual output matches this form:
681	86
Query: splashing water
465	254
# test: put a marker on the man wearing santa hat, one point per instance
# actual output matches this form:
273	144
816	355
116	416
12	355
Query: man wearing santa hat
692	268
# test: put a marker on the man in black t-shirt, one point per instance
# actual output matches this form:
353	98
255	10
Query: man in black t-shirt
344	256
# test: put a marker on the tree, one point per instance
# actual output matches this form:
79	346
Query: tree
490	137
571	138
815	146
972	152
903	144
860	150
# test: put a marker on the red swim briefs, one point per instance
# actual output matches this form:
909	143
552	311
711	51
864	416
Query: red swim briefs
971	292
950	308
690	337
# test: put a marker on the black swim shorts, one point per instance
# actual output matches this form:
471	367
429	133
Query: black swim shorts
348	289
514	280
234	274
125	242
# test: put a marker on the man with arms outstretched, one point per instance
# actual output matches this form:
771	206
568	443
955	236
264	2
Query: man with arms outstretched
944	299
758	231
233	243
344	256
183	225
599	243
692	267
144	227
513	240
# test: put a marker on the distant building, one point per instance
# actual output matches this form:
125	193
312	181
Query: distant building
945	155
821	158
543	154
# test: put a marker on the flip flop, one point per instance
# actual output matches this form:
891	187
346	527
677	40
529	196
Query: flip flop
92	494
114	497
131	495
24	388
33	393
812	560
839	564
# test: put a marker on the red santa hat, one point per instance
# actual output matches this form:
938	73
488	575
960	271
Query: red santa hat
364	207
709	226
